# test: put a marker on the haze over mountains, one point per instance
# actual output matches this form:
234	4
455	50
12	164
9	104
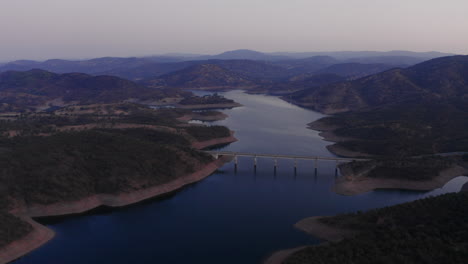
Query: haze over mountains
39	90
272	72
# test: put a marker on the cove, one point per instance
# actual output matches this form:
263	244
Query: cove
228	217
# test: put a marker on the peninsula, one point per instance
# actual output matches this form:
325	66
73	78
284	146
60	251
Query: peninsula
91	149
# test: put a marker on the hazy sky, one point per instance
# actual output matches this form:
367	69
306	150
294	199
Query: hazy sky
41	29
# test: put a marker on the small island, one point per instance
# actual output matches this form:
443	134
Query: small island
214	101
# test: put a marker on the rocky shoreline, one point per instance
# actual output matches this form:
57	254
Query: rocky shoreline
279	256
314	227
35	239
214	142
326	132
351	184
41	234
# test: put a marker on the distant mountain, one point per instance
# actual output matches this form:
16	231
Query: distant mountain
355	70
307	65
244	54
39	89
390	60
258	67
298	83
93	66
216	73
202	76
345	55
149	70
436	79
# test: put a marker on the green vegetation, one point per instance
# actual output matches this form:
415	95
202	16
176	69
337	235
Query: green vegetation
12	228
207	99
405	130
73	165
38	89
78	151
416	169
202	133
432	230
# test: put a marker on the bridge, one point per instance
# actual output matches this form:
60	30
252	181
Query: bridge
235	155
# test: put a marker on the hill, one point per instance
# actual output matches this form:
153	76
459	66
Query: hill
245	54
431	230
202	76
344	55
39	89
92	66
355	70
76	158
441	78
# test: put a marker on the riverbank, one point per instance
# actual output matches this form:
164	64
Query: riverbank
352	184
464	188
41	234
214	142
207	118
209	106
363	232
326	132
313	227
280	256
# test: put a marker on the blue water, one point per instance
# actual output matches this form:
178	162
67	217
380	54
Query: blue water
228	217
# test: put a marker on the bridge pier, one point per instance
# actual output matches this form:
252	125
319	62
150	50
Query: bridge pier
275	166
295	167
235	163
338	160
336	168
316	166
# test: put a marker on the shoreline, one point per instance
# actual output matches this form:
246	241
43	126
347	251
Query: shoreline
214	142
40	234
351	184
209	106
279	256
205	118
312	226
326	132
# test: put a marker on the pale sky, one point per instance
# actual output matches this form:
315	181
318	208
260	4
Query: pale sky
44	29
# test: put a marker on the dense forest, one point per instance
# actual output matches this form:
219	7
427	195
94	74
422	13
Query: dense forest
416	169
432	231
405	130
207	99
77	151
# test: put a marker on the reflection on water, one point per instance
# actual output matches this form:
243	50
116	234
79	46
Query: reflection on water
232	216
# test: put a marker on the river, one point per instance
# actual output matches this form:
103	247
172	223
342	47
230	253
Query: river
228	217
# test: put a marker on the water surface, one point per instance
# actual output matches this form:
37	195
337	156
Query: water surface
228	217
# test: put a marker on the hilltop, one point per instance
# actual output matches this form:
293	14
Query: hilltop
437	79
39	90
256	68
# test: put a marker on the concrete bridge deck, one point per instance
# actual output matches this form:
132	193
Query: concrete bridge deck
280	156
